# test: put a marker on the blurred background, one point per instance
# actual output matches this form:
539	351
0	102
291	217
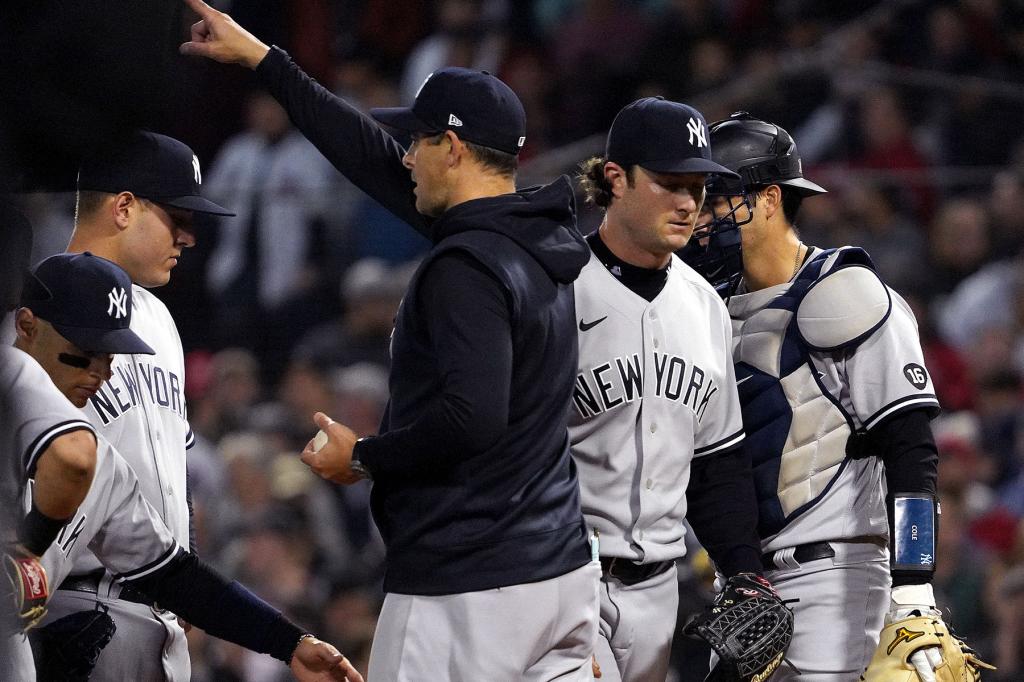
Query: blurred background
909	112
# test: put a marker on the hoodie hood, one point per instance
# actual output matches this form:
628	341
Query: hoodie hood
541	220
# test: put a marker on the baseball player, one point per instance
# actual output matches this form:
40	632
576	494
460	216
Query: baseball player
655	426
489	575
66	308
38	427
135	207
836	404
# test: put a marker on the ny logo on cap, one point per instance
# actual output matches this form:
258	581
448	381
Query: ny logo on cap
454	120
195	169
118	306
695	127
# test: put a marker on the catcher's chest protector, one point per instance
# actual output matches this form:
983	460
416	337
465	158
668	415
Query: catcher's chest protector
796	431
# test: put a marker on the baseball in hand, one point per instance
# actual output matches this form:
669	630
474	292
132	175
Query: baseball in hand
319	440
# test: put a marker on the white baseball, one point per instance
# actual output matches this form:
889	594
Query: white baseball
319	440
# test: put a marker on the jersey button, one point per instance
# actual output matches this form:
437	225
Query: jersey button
654	427
653	315
650	484
655	343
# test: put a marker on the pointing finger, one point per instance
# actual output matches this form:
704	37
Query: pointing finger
201	8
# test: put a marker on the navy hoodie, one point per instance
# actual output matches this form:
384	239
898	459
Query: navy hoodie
474	487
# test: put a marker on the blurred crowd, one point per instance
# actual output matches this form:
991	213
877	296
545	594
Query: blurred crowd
908	112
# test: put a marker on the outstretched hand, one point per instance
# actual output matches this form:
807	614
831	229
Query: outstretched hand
314	661
216	36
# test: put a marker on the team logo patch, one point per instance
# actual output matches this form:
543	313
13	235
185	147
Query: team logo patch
118	306
916	375
696	129
903	635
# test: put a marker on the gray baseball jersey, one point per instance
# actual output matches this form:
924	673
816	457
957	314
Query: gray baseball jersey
33	413
115	524
654	389
831	353
141	412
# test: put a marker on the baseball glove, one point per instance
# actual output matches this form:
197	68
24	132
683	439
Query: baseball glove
67	649
899	640
748	626
26	586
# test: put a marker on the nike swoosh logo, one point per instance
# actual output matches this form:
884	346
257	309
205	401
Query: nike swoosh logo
744	379
585	326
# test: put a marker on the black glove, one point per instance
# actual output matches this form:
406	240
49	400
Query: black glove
67	649
748	626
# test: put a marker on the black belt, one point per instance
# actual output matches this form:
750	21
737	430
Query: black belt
90	582
629	573
801	553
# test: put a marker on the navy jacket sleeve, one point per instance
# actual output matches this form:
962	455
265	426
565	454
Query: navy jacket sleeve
358	147
467	317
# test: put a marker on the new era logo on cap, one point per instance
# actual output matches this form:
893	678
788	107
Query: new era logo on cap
453	120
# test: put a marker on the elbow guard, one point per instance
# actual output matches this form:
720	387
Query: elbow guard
914	523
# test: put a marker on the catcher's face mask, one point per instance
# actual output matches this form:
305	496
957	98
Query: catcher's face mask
715	250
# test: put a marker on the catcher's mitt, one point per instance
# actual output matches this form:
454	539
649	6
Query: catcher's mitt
26	586
901	639
67	649
748	626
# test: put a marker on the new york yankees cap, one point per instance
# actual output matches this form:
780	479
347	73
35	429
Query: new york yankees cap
150	166
475	105
662	136
87	299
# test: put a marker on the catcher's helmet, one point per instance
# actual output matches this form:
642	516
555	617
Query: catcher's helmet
763	154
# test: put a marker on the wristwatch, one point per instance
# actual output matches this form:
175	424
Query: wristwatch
358	467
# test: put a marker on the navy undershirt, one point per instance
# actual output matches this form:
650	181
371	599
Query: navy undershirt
644	282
